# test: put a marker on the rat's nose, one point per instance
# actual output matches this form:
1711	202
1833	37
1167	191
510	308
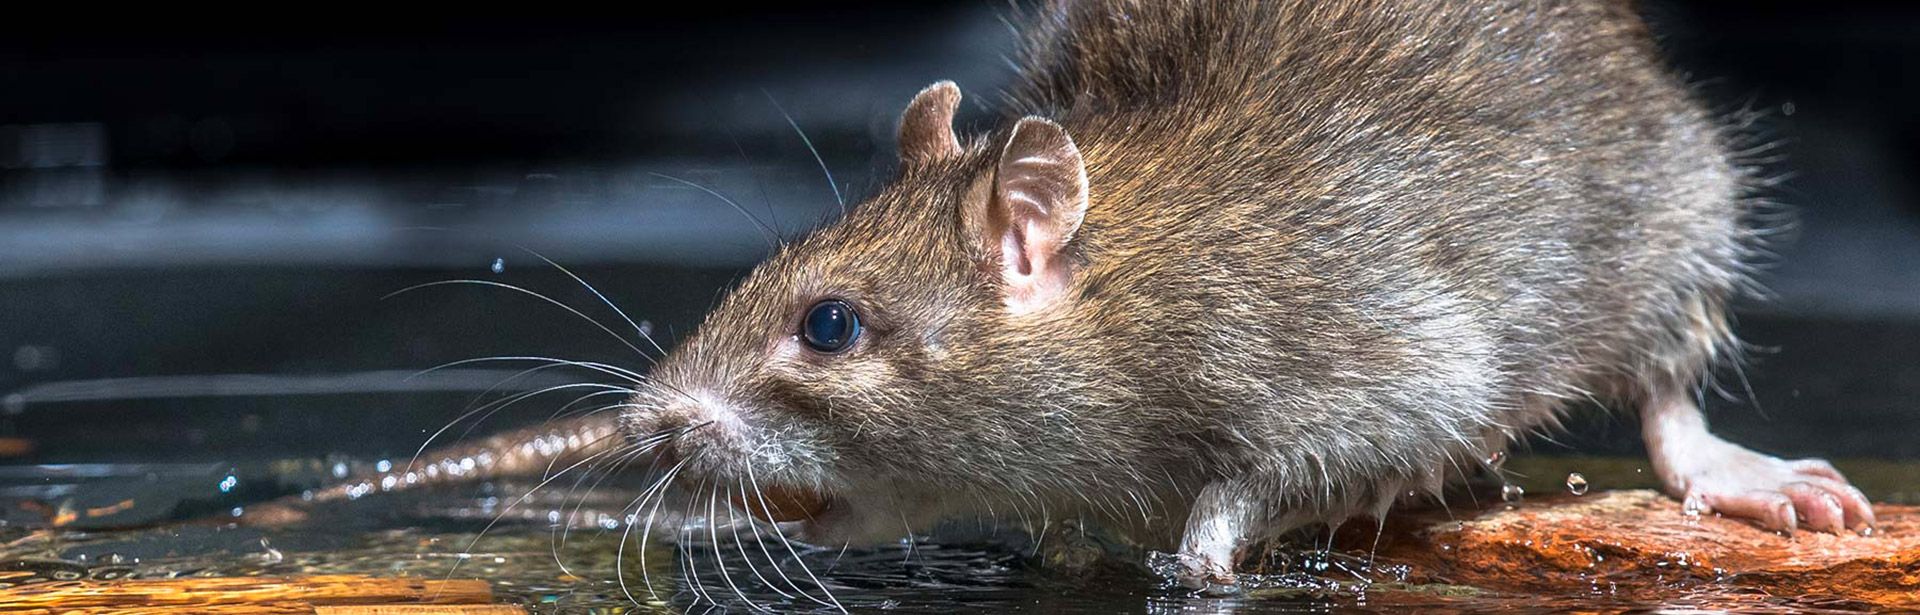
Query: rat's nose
676	428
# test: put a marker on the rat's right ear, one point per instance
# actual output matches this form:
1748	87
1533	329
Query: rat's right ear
926	129
1035	201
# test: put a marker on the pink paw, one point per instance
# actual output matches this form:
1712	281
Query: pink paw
1777	494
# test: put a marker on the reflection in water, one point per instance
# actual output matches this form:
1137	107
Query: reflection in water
534	560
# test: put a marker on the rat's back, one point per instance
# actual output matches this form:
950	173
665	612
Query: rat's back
1449	217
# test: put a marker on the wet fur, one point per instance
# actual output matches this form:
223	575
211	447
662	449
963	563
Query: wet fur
1334	251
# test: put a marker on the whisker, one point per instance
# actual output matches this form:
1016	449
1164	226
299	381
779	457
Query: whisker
646	571
747	161
810	148
612	370
604	389
761	496
713	534
516	502
564	526
603	299
565	530
657	490
568	411
548	474
623	373
773	236
623	341
457	420
690	570
753	529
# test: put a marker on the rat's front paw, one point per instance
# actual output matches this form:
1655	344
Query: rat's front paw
1778	494
1196	572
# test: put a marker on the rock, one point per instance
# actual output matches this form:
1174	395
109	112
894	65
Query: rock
1639	547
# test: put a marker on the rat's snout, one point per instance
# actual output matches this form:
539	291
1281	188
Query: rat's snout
707	439
687	426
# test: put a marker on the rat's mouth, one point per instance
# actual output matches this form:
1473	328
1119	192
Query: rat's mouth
781	504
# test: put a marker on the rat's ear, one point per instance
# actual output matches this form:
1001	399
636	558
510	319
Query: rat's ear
1038	198
926	128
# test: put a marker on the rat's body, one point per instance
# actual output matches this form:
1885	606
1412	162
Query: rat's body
1246	267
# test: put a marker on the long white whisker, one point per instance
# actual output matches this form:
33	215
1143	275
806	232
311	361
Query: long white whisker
713	533
773	236
622	373
690	569
640	449
659	492
556	303
761	495
564	527
603	299
516	502
603	388
810	148
507	402
753	529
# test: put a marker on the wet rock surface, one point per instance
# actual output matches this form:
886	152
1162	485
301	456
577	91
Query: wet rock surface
1640	547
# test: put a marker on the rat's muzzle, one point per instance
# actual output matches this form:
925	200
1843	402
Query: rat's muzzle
706	438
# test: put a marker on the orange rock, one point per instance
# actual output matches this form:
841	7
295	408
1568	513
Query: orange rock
1640	546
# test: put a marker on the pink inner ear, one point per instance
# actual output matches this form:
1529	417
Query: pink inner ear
1015	244
1041	193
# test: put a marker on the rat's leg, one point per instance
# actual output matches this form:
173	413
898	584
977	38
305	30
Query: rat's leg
1227	517
1706	471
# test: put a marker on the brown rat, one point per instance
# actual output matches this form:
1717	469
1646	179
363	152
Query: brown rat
1235	268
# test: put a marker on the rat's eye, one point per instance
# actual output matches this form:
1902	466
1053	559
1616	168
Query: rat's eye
831	326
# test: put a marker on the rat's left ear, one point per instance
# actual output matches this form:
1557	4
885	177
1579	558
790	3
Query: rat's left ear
926	128
1038	199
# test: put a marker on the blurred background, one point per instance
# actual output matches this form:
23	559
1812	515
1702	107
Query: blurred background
201	221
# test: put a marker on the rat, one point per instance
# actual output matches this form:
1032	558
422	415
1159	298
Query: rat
1230	269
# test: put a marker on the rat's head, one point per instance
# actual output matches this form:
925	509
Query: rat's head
848	363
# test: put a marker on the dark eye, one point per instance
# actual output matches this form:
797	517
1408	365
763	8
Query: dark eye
831	326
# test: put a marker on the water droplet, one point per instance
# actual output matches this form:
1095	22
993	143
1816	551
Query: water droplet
1497	459
1512	494
499	265
1788	108
227	484
1577	483
14	403
383	466
646	328
340	469
272	556
237	511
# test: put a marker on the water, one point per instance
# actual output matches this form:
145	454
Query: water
1577	483
532	562
1512	494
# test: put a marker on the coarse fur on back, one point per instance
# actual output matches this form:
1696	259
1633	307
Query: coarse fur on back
1330	252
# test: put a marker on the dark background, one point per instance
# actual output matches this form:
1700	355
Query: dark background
184	196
